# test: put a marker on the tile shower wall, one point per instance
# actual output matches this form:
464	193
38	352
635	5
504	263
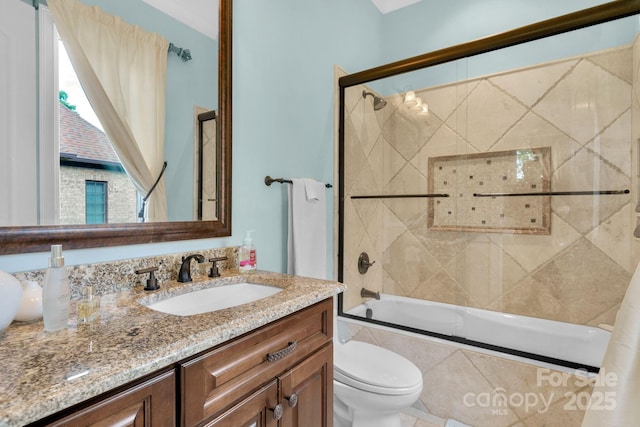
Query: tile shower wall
582	109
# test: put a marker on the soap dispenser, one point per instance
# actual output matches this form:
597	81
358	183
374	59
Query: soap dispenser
56	294
247	255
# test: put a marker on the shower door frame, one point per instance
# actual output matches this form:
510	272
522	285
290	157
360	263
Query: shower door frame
562	24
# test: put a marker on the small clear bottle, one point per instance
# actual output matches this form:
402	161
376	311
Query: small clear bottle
56	294
88	306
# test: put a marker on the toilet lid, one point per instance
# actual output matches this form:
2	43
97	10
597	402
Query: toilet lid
376	369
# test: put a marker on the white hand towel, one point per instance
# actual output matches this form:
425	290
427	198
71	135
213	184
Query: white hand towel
313	189
307	242
614	400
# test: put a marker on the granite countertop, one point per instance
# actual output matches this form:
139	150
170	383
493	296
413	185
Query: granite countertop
43	373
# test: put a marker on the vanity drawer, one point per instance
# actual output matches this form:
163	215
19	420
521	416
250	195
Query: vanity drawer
218	378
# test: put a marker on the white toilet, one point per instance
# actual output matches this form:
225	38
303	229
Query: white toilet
372	385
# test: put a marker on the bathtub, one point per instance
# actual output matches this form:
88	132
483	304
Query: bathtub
557	343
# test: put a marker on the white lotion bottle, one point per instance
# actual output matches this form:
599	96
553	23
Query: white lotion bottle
56	294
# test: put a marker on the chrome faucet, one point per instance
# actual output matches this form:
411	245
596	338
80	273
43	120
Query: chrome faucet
366	293
184	275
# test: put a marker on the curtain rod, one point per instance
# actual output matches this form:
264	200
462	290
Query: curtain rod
184	54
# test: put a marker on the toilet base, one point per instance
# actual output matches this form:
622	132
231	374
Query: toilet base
343	416
364	420
380	419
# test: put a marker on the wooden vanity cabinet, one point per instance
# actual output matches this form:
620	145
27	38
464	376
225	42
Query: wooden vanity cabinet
255	410
311	382
280	375
149	403
236	381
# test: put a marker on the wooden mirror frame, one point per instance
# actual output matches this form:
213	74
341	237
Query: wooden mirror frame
15	240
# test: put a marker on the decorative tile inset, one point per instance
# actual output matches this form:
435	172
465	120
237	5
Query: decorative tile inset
527	171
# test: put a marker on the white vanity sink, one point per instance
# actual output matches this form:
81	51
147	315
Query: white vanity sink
212	299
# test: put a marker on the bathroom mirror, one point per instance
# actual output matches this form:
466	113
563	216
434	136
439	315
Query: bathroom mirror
20	239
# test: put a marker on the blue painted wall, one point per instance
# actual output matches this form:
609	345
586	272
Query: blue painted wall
446	23
473	18
284	56
284	53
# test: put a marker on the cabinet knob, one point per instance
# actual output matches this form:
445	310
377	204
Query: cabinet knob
293	400
277	412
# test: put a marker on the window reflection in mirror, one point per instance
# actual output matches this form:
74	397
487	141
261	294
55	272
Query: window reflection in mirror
94	187
188	85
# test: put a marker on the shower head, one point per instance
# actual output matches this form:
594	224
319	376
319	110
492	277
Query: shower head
378	103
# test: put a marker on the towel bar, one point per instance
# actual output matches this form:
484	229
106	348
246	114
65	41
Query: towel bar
268	181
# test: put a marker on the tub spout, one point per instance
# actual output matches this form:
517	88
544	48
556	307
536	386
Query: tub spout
366	293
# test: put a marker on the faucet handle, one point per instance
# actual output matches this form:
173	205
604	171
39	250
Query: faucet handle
152	282
214	271
363	263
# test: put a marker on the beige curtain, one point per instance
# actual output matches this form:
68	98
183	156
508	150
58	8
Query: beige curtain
123	70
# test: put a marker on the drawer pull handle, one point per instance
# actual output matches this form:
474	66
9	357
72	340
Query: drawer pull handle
277	412
277	355
293	400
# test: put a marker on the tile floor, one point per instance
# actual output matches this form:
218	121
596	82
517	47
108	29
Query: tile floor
413	417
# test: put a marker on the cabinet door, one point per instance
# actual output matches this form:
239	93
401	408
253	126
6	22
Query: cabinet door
217	379
307	391
151	403
260	409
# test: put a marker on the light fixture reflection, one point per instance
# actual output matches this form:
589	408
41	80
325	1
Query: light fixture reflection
410	98
415	104
418	105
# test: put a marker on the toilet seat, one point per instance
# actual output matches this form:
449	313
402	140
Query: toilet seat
375	369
